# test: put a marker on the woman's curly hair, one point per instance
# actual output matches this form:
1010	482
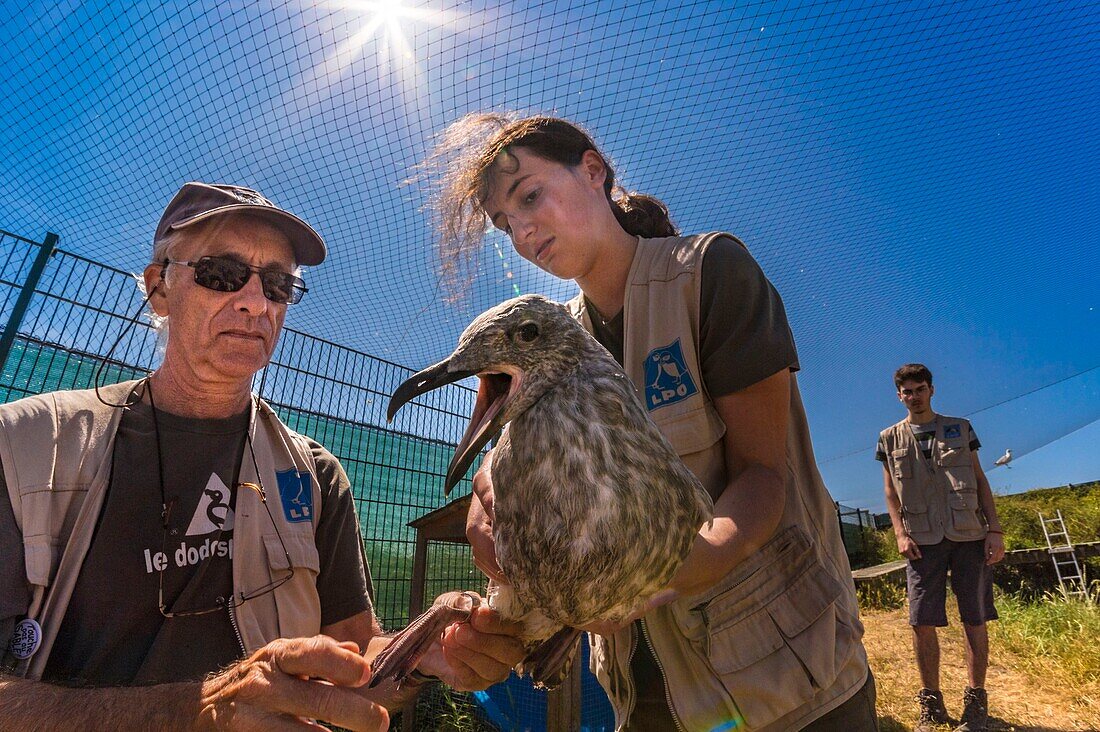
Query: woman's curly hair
459	172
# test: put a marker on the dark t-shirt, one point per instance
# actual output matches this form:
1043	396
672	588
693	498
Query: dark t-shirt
113	632
744	338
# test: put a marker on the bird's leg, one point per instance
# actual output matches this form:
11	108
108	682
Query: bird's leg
400	657
548	664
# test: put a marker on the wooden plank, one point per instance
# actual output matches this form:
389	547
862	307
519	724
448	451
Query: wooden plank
419	577
1036	555
1040	555
563	704
879	570
445	524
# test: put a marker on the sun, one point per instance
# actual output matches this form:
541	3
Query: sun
381	27
389	11
385	26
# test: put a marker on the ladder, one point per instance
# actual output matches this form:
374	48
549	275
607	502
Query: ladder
1061	552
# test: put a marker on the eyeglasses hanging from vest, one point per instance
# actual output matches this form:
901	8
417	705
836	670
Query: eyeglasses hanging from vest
235	599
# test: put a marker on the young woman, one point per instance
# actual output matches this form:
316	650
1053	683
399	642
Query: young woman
759	628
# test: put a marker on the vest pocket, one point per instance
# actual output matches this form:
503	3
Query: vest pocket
691	430
958	467
40	557
902	462
915	519
302	551
777	641
953	456
964	511
296	601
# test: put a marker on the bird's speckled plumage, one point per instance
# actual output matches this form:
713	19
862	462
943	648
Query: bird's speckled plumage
594	511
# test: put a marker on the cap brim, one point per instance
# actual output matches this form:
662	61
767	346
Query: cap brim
309	248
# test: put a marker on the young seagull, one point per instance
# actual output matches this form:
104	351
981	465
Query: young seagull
594	511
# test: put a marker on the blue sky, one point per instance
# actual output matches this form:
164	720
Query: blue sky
918	179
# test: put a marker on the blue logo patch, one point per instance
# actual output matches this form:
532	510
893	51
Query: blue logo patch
667	379
952	430
296	495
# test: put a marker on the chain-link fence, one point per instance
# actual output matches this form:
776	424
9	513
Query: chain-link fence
80	313
856	524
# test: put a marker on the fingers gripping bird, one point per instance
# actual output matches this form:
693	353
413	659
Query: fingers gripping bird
580	476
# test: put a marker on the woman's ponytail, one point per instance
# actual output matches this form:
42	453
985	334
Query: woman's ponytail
642	215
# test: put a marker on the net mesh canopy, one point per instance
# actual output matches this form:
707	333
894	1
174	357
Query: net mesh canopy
919	180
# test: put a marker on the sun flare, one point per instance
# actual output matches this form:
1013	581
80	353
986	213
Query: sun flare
385	26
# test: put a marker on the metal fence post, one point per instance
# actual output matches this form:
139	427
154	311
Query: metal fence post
49	246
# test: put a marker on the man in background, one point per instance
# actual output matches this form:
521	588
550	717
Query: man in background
943	516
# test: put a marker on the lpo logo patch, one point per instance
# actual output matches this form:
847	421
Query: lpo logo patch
296	495
667	379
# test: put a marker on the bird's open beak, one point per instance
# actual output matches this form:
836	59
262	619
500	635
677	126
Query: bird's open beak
486	422
422	382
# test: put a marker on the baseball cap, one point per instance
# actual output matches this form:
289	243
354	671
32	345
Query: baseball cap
197	202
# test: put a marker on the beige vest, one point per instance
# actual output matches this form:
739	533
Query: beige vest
939	497
776	643
56	450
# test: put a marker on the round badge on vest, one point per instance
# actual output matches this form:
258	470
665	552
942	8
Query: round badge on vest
26	639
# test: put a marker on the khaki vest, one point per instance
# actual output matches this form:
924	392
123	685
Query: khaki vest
776	643
56	450
939	497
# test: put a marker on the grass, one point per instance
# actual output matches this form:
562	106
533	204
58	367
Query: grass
1079	504
1019	517
879	547
1043	673
880	596
440	709
1045	668
1056	634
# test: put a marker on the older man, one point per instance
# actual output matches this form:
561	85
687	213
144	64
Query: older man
157	531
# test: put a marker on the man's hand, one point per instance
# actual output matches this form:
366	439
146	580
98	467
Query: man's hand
907	547
994	548
475	654
479	524
291	682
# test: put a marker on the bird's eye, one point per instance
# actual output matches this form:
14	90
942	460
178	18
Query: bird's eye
527	332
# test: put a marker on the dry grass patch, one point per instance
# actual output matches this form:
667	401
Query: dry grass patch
1026	691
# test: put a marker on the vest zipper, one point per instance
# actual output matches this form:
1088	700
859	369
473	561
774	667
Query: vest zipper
236	629
632	698
664	677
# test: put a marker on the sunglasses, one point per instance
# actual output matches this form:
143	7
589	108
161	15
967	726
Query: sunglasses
225	274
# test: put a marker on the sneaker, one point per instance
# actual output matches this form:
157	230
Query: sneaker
932	711
975	716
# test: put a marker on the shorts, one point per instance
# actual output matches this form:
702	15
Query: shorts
971	581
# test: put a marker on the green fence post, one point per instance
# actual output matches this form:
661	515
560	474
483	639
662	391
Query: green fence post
49	246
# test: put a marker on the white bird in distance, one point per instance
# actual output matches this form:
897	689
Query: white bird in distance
1004	459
